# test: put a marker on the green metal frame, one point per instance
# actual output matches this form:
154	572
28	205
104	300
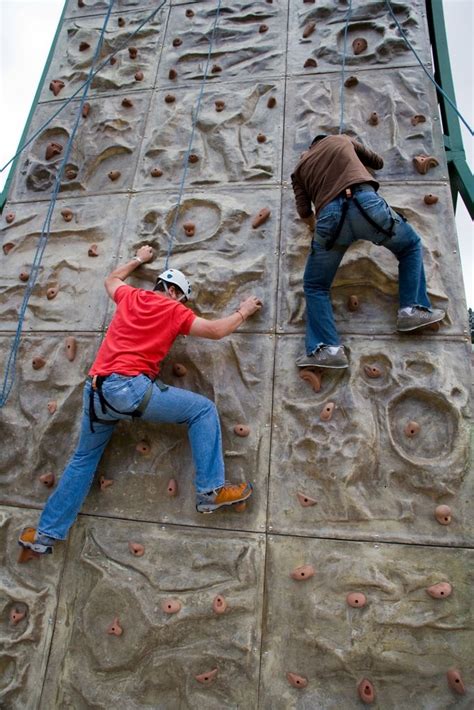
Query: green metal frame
26	130
461	178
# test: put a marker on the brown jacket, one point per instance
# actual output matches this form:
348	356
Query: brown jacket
327	168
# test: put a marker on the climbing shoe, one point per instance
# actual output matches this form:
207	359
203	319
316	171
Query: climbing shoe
228	494
36	543
325	356
417	317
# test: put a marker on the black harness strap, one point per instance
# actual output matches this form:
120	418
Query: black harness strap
387	232
97	383
345	206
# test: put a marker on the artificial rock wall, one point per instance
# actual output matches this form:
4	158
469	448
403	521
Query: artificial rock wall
348	471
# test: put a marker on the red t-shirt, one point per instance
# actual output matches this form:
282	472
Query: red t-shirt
141	333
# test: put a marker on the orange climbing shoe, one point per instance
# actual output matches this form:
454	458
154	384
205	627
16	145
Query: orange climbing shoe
33	545
228	494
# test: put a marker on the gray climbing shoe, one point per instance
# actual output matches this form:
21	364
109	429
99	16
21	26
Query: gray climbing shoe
322	357
418	318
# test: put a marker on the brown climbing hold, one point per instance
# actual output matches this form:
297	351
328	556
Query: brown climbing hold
52	293
171	606
357	600
301	574
272	102
179	370
372	371
353	303
327	411
93	250
48	479
24	276
220	105
7	247
139	76
359	45
52	406
219	604
143	447
86	109
114	629
430	199
193	158
177	42
216	69
297	681
67	215
351	81
260	217
305	500
71	348
310	62
412	429
443	514
9	217
189	13
114	175
172	74
172	488
309	29
261	138
242	430
262	29
132	51
105	483
38	362
366	691
170	99
16	615
418	118
374	118
121	22
206	678
52	150
312	377
27	555
71	173
423	163
239	507
127	103
189	229
455	681
84	46
442	590
81	3
56	86
113	60
156	172
136	549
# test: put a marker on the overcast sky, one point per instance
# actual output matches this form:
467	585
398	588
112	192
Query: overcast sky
27	29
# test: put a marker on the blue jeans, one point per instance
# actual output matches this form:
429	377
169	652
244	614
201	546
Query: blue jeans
322	265
173	406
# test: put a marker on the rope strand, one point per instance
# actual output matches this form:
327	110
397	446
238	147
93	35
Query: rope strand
344	52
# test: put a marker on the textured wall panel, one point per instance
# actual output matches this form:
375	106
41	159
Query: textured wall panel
155	660
94	7
403	640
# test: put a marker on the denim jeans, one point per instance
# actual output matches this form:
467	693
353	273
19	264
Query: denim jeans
173	406
322	265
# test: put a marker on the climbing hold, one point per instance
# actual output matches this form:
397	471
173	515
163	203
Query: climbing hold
24	276
359	45
262	29
71	173
170	99
71	348
455	681
271	103
193	158
53	149
81	3
52	293
216	69
327	411
121	22
423	163
353	303
48	479
220	105
443	514
302	573
27	555
37	363
313	377
172	488
9	217
206	678
16	615
189	229
261	138
52	406
84	46
105	483
310	62
113	60
351	81
132	51
297	681
56	86
7	247
156	172
93	250
136	549
374	118
189	13
139	76
172	74
261	217
171	606
143	447
127	103
114	175
442	590
366	691
242	430
114	629
418	118
179	370
356	599
219	605
309	29
305	500
412	429
430	199
67	215
373	371
177	42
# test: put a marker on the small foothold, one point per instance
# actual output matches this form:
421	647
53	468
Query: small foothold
220	105
48	479
143	447
206	678
27	555
353	303
136	549
272	102
132	51
443	514
93	250
423	163
179	370
372	371
242	430
37	363
261	138
219	604
356	599
84	46
71	348
114	629
172	488
156	172
351	81
240	507
9	217
327	411
455	681
170	99
71	173
359	45
105	483
302	573
309	29
127	103
374	118
297	681
366	691
67	215
114	175
189	229
313	377
412	429
310	62
430	199
262	29
305	500
442	590
261	217
24	276
16	615
177	42
216	69
419	118
171	606
113	60
81	3
52	292
139	76
189	13
52	406
7	247
172	74
86	109
56	86
121	22
193	158
53	149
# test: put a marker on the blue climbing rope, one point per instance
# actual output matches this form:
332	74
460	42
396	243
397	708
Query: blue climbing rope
45	231
344	54
195	115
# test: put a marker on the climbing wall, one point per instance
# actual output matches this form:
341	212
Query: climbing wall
344	582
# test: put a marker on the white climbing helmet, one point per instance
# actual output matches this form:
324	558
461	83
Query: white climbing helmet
177	278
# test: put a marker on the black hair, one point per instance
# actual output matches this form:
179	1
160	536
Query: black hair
160	286
318	138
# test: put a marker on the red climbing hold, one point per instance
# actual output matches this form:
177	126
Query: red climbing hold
297	681
52	406
430	199
312	377
8	247
114	628
52	292
156	172
442	590
366	691
71	348
136	549
301	574
327	411
67	215
412	429
171	606
38	362
56	86
189	229
172	488
207	678
261	138
372	371
423	163
305	500
53	149
359	45
219	605
242	430
16	615
48	479
179	370
105	483
24	276
93	250
357	600
261	217
9	217
114	175
455	681
443	514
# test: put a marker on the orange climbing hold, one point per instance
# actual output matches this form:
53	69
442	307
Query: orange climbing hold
261	217
423	163
48	479
327	411
366	691
143	447
373	371
189	229
179	370
297	681
207	678
242	430
114	629
261	138
67	214
455	681
356	600
24	276
172	488
442	590
52	292
220	105
443	514
359	45
16	615
136	549
301	574
38	362
105	483
219	604
430	199
312	377
171	606
412	429
156	172
305	500
71	348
